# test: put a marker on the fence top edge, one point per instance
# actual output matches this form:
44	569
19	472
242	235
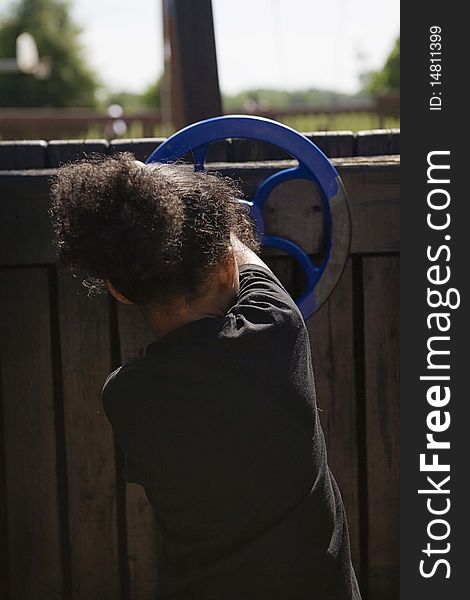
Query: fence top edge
118	141
387	161
41	143
378	132
78	142
115	141
341	132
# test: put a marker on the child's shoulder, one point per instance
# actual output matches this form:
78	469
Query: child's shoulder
263	299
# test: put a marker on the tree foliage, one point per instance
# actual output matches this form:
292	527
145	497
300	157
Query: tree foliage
148	100
71	82
388	79
151	96
265	99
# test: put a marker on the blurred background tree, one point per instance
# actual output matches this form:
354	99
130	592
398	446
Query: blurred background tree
71	82
151	96
388	78
149	99
266	99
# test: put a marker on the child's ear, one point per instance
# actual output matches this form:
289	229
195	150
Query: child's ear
117	295
228	274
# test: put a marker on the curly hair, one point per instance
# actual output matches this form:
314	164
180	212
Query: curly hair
156	232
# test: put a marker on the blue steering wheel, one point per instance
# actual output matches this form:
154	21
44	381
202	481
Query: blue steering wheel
313	165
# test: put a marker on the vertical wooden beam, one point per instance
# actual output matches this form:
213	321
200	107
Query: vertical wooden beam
30	436
86	361
381	310
191	57
4	546
170	98
331	332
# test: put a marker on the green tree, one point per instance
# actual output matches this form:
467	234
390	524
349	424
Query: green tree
281	99
130	101
71	82
147	100
151	96
388	79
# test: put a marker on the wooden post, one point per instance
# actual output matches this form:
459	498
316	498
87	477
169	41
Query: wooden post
190	62
29	398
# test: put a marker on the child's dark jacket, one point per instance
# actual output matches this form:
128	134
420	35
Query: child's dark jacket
219	423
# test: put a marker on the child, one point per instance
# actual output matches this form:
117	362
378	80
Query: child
218	421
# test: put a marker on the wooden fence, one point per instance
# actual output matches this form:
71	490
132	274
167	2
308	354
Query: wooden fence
59	123
69	527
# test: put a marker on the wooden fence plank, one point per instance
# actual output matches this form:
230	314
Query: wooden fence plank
377	141
24	154
381	306
243	150
375	205
4	550
140	148
283	268
332	340
86	361
372	185
293	208
332	143
25	228
60	152
219	151
142	535
30	439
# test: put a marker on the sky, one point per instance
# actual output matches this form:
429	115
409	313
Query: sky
280	44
